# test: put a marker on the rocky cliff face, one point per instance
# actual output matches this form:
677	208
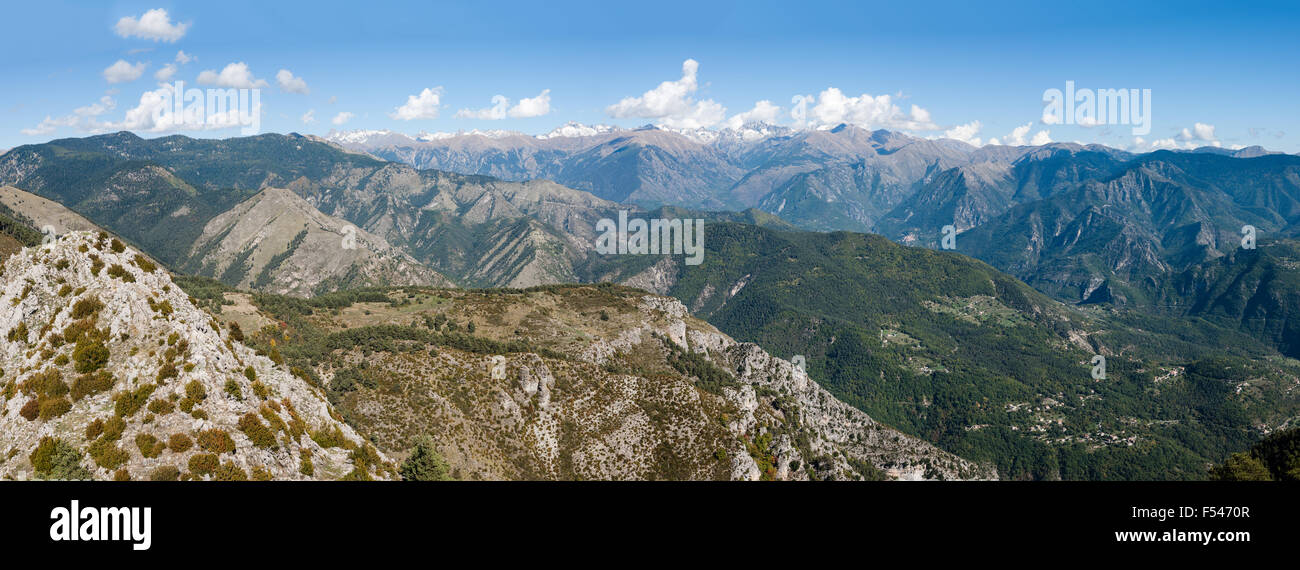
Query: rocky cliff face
109	371
616	384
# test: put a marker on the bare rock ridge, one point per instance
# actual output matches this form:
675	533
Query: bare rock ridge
109	371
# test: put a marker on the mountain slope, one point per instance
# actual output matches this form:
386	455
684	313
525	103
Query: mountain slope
111	372
583	382
277	242
949	349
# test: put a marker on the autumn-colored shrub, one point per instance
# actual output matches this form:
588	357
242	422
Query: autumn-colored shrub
257	431
203	463
179	443
216	441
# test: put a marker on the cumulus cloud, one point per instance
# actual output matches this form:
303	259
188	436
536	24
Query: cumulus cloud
169	70
1017	135
166	73
1041	138
309	117
153	25
872	112
121	71
422	106
341	118
672	103
500	109
532	106
763	112
234	75
84	118
291	84
967	133
1199	135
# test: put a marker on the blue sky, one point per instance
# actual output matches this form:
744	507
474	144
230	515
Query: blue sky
1217	75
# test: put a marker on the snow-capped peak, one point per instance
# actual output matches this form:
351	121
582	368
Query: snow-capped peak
574	129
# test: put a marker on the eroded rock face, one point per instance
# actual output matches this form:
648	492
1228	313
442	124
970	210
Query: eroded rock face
630	402
102	352
836	432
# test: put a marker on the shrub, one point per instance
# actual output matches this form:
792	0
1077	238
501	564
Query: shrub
116	246
161	406
250	374
203	463
144	264
46	383
106	453
18	333
261	390
252	427
306	467
167	371
329	438
149	445
130	402
90	356
216	441
31	410
425	463
232	389
179	443
122	475
230	472
90	384
113	428
121	273
261	474
93	429
86	307
165	473
51	408
54	459
236	333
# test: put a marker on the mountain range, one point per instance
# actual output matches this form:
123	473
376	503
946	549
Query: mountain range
1063	253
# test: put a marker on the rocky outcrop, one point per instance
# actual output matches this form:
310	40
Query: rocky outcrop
107	362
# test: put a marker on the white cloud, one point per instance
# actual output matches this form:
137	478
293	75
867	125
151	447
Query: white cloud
1041	138
873	112
1017	135
234	75
500	105
166	73
291	84
671	103
500	109
183	58
154	25
341	118
763	112
967	133
422	106
1199	135
155	113
309	117
532	106
1200	132
84	118
121	71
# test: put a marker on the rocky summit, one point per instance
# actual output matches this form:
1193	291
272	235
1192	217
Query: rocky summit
111	372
